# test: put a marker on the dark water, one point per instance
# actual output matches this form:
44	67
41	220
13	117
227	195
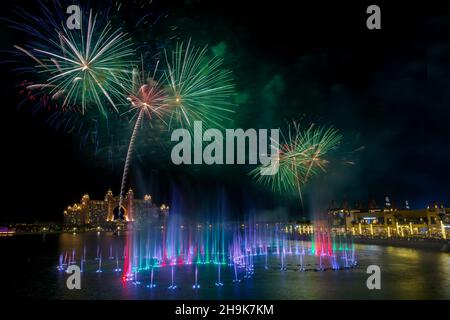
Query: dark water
29	271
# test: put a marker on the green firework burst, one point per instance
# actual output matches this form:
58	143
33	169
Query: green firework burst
198	89
84	67
301	156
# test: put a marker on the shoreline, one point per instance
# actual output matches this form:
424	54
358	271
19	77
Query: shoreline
411	243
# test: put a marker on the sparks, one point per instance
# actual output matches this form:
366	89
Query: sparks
80	67
198	89
301	156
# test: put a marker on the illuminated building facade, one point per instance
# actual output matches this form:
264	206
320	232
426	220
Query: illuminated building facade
98	213
389	220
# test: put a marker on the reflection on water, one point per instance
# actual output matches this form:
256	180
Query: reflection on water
31	266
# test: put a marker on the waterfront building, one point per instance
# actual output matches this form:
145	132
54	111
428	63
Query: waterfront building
390	220
102	213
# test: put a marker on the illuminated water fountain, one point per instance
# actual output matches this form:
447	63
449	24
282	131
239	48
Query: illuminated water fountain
235	252
152	284
99	270
173	286
196	284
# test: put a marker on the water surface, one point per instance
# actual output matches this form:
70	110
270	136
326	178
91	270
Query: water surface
29	269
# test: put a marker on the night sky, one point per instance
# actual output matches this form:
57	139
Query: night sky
386	90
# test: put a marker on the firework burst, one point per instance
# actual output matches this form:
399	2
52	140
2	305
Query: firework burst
146	98
147	95
80	67
198	89
301	156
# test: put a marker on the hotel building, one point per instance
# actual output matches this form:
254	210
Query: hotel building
102	213
389	221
